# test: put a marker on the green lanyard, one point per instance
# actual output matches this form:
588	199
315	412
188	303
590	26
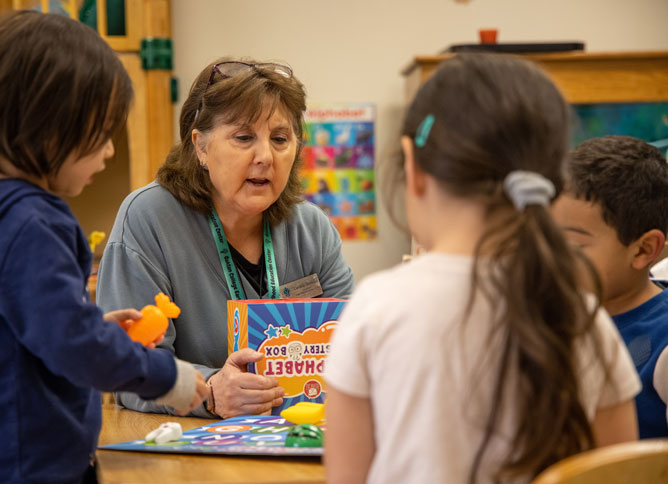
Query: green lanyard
231	275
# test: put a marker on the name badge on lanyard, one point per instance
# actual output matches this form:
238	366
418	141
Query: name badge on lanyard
306	287
232	278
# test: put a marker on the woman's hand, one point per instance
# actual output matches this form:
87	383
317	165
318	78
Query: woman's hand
126	318
237	392
201	393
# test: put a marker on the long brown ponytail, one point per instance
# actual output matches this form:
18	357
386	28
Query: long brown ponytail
534	273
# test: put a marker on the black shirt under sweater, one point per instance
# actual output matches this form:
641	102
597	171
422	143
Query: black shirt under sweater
255	273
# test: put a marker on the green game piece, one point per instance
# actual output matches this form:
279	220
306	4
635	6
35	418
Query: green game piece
304	435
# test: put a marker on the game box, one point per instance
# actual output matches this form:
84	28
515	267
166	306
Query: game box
294	336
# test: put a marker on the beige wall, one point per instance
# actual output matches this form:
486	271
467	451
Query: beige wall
354	50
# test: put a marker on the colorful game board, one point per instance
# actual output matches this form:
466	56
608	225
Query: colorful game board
245	435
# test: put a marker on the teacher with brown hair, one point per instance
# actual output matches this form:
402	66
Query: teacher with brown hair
225	220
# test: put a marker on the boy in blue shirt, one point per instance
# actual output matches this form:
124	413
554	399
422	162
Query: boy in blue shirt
615	209
63	92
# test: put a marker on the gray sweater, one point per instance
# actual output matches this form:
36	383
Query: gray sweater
158	244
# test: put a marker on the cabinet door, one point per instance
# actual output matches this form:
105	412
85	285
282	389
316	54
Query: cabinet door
65	7
141	170
120	23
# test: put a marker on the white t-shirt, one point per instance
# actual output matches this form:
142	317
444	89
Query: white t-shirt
401	343
660	270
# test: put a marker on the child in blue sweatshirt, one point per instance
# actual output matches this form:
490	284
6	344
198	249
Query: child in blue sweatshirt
63	92
615	209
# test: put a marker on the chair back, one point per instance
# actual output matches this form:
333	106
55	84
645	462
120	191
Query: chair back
642	462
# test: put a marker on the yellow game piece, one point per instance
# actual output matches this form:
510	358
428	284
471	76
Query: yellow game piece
304	413
95	238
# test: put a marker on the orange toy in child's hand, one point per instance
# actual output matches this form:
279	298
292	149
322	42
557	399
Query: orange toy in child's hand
153	322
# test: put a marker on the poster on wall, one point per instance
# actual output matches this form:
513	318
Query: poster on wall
338	171
647	121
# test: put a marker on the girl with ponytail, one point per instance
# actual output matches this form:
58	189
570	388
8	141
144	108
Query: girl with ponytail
483	360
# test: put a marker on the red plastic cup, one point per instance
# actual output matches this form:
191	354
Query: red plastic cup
487	36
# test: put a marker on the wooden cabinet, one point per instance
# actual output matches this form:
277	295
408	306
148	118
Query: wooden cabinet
148	136
582	77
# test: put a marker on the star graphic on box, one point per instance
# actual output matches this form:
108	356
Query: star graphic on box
285	331
271	331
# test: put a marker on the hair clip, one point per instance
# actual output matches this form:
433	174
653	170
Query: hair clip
423	131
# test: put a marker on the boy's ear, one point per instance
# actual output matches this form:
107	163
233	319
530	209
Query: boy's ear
416	181
647	248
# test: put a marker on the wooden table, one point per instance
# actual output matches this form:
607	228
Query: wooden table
121	425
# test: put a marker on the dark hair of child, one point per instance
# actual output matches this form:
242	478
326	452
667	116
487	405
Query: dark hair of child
628	178
44	83
493	115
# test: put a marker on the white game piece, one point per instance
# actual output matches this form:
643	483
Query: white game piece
167	432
